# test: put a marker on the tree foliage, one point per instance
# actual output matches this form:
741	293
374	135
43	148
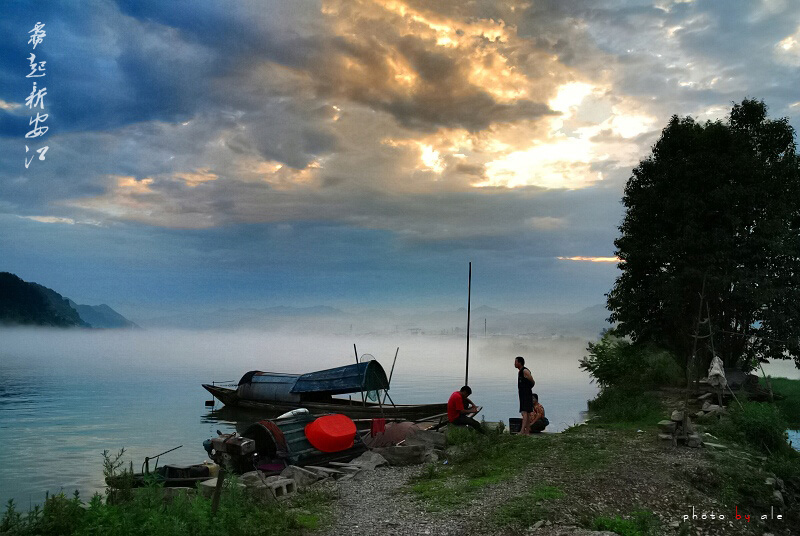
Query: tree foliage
715	208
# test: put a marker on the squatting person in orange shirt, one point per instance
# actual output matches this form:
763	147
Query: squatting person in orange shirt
538	421
458	415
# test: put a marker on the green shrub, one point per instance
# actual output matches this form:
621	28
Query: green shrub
641	523
610	360
617	404
758	424
661	369
613	361
788	401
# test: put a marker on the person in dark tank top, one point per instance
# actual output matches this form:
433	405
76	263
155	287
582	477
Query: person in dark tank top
525	383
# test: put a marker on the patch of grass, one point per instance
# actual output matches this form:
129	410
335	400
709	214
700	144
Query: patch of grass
522	511
626	406
474	462
789	405
733	482
756	424
313	508
586	454
440	494
640	523
147	514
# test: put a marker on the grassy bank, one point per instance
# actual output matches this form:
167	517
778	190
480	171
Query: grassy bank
613	474
146	513
607	476
789	404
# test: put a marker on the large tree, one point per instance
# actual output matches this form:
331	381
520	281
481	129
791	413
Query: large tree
714	209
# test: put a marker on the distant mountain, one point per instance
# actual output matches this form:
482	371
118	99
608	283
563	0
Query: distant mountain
24	303
102	316
31	304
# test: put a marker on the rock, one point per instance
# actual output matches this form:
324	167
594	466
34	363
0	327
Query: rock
325	471
779	482
699	414
705	396
777	498
667	427
771	482
251	478
688	428
431	457
538	524
715	446
369	461
405	455
708	407
428	438
302	477
677	416
694	441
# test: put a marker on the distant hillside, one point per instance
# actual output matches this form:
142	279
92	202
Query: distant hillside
102	316
24	303
31	304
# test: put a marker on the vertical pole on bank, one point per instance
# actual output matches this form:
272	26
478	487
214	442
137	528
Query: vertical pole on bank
469	297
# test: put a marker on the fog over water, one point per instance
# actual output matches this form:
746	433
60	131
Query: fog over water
67	395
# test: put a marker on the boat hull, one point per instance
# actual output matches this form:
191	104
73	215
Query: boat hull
354	409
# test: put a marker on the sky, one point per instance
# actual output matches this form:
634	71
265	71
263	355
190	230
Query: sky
355	153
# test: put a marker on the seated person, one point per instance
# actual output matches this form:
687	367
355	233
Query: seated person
456	412
538	422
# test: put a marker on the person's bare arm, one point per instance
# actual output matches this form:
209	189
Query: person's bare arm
469	407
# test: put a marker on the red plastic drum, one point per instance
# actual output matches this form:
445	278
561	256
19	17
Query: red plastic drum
331	433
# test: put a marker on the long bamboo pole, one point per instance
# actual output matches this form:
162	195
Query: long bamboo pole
385	392
469	297
363	400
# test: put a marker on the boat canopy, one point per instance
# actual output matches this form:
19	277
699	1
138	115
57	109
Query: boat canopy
365	376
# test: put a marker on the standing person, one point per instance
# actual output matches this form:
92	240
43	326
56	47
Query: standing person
456	413
525	385
539	422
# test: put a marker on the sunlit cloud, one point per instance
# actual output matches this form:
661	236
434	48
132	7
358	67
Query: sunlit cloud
50	219
590	259
9	106
788	49
196	177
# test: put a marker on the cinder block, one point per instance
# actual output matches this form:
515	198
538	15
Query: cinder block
281	487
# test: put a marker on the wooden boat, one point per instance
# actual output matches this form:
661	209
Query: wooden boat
169	476
276	393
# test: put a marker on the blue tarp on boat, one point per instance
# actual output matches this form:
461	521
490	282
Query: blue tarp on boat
365	376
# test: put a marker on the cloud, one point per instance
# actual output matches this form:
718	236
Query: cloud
504	130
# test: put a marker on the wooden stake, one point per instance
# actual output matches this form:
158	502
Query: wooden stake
217	490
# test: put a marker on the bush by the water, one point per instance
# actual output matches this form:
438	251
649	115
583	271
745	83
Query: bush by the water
624	372
617	404
758	424
613	361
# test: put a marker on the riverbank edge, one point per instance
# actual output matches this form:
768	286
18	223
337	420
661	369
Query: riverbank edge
616	477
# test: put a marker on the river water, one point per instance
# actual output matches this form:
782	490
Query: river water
66	396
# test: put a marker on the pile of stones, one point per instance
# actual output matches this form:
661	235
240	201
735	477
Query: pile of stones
678	430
